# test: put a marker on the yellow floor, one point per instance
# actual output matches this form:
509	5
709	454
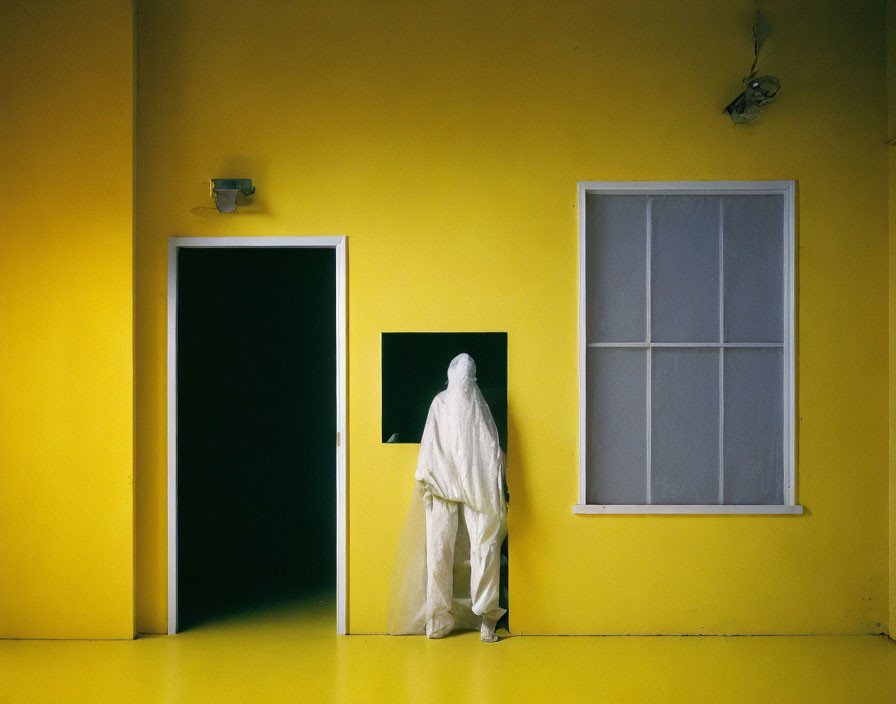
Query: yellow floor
290	654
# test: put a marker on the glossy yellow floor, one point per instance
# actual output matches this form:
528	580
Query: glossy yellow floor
291	654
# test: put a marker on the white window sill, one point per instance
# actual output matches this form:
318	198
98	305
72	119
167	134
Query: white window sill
686	509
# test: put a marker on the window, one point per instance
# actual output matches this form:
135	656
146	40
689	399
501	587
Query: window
686	347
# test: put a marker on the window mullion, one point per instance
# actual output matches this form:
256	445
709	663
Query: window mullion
649	453
721	350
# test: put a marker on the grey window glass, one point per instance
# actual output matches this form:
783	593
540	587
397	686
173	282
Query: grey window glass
685	426
617	268
754	268
617	426
685	397
685	269
754	443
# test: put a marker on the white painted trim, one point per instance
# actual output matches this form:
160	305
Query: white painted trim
667	188
685	509
320	242
583	361
342	439
339	244
721	458
172	436
645	345
789	381
787	189
648	331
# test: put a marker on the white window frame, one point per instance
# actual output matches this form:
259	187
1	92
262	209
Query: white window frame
787	189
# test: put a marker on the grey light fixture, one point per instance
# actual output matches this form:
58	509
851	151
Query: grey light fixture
760	90
225	190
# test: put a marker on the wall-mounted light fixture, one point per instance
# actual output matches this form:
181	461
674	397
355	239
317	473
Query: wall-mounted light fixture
225	190
760	90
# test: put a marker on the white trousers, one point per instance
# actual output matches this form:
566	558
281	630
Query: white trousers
486	534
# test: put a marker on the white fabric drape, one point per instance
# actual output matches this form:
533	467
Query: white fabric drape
447	568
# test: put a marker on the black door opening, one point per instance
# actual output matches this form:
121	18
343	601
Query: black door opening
256	429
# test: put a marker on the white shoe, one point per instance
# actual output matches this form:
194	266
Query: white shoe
487	631
440	626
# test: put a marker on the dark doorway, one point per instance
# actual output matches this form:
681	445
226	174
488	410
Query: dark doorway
256	429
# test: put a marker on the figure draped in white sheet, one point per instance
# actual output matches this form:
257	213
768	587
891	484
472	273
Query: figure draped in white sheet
460	470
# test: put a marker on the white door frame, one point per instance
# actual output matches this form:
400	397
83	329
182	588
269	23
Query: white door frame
339	244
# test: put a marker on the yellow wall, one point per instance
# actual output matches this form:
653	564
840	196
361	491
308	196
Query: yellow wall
66	342
446	139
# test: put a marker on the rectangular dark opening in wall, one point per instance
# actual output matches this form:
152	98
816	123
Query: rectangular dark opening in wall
415	369
256	426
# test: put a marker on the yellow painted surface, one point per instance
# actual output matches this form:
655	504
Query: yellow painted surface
292	654
66	343
446	140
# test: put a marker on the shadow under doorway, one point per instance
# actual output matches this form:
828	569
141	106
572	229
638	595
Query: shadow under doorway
256	429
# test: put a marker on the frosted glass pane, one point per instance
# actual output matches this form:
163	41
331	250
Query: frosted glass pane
685	269
616	430
754	268
685	426
616	251
754	443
